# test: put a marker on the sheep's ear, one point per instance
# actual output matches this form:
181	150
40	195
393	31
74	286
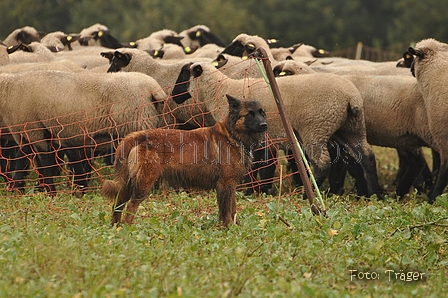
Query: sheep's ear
173	39
277	70
418	53
125	58
108	55
197	71
234	104
220	61
190	49
295	47
155	53
12	49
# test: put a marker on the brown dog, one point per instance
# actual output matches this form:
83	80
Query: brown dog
216	157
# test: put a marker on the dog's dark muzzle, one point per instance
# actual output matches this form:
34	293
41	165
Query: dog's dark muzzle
263	126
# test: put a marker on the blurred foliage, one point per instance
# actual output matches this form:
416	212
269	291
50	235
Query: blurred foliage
325	24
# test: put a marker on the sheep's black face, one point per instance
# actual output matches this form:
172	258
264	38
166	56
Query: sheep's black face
180	91
25	37
173	39
236	48
118	61
419	54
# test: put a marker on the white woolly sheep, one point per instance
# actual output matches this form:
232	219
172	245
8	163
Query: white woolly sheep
33	52
98	35
429	68
87	110
319	110
198	36
299	50
135	60
58	41
156	40
25	35
394	112
86	57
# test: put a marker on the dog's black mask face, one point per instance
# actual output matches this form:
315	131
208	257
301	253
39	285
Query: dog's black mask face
247	116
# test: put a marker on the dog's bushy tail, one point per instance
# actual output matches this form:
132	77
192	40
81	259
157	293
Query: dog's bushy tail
111	188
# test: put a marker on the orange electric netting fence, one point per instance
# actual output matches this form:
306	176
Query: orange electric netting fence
74	152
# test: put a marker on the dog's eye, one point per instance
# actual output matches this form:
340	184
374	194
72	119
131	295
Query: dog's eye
251	114
262	113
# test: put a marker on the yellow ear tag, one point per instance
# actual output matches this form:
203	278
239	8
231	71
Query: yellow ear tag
132	43
100	33
215	63
321	51
251	45
69	38
198	33
244	58
272	40
282	73
156	53
10	47
187	49
408	56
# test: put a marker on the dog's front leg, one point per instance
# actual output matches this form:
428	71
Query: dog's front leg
225	193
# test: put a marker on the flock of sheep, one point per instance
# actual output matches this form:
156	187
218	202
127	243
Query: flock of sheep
67	100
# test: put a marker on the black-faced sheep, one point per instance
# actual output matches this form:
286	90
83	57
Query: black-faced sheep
198	36
386	98
429	68
135	60
319	110
98	35
25	35
87	111
156	40
58	41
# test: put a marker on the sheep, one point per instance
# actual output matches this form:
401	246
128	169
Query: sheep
395	115
319	110
86	111
25	35
58	41
199	36
298	50
98	35
134	60
33	52
86	57
156	40
429	68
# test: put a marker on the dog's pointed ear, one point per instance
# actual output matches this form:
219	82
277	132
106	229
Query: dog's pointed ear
233	102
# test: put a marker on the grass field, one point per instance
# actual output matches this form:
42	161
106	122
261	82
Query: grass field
63	246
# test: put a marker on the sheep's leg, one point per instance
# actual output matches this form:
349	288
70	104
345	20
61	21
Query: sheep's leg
412	162
317	152
47	170
362	153
441	180
18	165
225	194
264	164
338	170
81	166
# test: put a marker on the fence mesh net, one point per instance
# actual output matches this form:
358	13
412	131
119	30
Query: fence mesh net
68	156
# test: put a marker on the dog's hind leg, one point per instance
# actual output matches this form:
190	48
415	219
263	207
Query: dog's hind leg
141	185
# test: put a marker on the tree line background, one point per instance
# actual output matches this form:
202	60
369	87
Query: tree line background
332	25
